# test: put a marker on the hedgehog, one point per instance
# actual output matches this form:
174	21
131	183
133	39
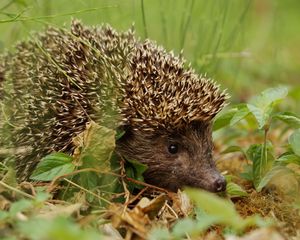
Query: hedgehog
59	80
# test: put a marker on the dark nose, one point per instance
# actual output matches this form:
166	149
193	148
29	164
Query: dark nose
220	184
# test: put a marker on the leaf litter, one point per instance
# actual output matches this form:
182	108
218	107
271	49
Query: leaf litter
142	212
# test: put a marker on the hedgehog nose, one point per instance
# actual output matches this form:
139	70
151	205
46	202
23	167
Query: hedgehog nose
220	184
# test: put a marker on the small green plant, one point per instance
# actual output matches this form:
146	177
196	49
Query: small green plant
93	166
31	219
262	110
210	210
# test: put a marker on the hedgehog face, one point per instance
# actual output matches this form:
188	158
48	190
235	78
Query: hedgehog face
175	159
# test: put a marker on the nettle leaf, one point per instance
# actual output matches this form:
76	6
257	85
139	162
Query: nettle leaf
289	118
52	166
260	115
269	96
294	141
262	159
262	106
235	190
224	119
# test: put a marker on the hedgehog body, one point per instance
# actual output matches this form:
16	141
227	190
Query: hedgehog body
60	80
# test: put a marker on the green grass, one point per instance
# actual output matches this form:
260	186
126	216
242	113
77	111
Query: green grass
246	46
239	43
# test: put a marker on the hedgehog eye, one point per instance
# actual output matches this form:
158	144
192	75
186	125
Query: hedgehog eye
173	148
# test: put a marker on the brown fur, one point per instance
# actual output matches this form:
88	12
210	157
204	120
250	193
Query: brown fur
192	165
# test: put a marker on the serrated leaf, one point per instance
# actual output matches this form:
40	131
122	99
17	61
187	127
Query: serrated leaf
223	120
289	118
52	166
294	141
262	106
270	96
234	190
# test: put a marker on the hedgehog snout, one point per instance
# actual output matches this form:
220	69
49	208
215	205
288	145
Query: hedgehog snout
219	184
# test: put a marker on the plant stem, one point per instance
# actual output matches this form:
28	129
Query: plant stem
144	19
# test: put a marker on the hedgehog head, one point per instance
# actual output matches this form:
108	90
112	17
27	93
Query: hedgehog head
161	93
168	110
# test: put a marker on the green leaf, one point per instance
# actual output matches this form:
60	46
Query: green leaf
134	169
139	168
96	145
220	211
231	149
262	106
159	234
234	190
3	215
275	171
183	227
295	93
52	166
223	120
289	158
289	118
262	161
58	228
260	115
248	173
89	180
270	96
213	205
294	141
20	206
240	114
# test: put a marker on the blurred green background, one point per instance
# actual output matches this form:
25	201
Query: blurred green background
246	45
